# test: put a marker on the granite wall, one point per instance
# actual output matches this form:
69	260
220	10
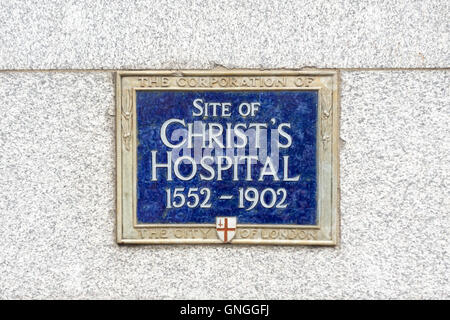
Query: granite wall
57	146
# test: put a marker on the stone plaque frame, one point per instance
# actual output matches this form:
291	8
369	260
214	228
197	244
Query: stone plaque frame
326	82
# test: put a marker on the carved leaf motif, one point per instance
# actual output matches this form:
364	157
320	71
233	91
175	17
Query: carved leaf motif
127	104
325	114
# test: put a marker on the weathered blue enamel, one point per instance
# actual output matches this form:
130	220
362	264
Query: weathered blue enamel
299	108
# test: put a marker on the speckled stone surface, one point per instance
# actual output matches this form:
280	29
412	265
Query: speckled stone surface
191	34
57	215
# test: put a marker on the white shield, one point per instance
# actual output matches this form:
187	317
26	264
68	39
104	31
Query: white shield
226	228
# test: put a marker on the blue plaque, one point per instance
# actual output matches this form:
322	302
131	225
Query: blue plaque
227	157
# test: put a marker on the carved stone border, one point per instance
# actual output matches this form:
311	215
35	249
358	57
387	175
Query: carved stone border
326	82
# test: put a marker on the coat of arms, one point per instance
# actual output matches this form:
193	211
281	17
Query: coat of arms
226	228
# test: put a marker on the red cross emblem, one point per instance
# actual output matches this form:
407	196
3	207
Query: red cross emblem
226	228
